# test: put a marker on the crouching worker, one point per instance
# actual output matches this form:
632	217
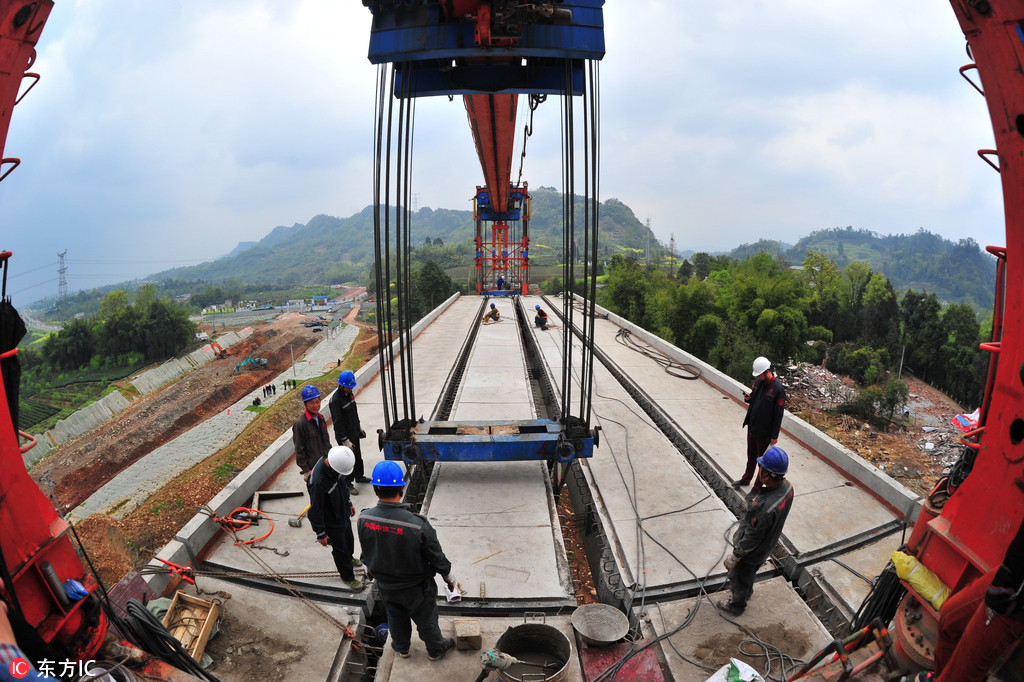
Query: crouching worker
402	553
330	511
541	318
492	315
759	529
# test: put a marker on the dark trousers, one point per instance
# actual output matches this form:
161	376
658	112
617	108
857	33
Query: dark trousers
741	581
756	445
357	470
967	647
342	543
416	604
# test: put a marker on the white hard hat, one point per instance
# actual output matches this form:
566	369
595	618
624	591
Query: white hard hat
761	366
341	459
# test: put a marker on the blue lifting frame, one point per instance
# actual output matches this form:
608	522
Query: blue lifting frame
439	57
497	441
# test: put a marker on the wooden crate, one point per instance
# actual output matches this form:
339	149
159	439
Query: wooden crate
190	620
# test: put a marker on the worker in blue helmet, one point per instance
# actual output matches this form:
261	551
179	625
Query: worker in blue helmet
402	553
759	528
501	283
309	433
541	318
347	430
492	315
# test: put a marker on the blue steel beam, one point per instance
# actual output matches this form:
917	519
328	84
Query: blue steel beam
439	56
500	441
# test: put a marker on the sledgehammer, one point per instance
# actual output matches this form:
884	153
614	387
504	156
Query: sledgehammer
297	521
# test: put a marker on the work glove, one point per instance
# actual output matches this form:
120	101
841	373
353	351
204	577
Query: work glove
347	443
1001	600
450	579
731	561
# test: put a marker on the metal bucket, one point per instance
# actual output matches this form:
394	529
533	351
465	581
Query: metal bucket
535	643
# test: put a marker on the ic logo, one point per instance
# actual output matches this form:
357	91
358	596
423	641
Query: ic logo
19	668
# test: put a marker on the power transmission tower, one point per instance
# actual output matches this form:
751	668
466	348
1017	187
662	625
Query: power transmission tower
62	282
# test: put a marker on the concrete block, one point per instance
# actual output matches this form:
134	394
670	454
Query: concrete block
467	634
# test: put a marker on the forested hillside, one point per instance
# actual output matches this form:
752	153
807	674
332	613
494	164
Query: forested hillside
957	272
728	311
329	250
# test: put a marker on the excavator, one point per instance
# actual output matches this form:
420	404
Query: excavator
491	52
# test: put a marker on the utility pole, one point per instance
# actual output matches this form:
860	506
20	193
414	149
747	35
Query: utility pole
293	359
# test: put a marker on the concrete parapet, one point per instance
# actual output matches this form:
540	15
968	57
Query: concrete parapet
201	529
904	502
160	578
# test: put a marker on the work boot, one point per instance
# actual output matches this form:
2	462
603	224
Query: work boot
355	584
356	562
363	479
449	644
731	608
352	490
741	483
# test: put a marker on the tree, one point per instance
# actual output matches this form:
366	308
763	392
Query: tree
72	347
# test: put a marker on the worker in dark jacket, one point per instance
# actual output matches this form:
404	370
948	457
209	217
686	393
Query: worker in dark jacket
759	529
347	431
330	511
979	622
492	315
541	318
402	553
309	433
767	404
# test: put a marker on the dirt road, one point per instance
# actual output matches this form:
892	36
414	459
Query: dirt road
77	469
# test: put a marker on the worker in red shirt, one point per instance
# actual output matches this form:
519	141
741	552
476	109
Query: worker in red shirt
766	405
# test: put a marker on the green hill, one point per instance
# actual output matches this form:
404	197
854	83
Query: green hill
956	272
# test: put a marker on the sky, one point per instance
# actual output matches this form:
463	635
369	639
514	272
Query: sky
163	134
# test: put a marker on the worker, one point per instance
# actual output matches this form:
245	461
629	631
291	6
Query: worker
541	318
402	553
766	405
330	511
14	664
979	622
759	528
347	432
309	433
492	315
501	283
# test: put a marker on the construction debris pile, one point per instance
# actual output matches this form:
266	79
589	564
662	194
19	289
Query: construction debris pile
919	448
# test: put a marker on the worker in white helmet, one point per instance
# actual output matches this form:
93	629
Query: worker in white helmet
766	405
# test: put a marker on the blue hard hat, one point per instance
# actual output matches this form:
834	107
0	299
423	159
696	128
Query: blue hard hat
775	461
347	379
492	305
388	473
537	307
309	392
